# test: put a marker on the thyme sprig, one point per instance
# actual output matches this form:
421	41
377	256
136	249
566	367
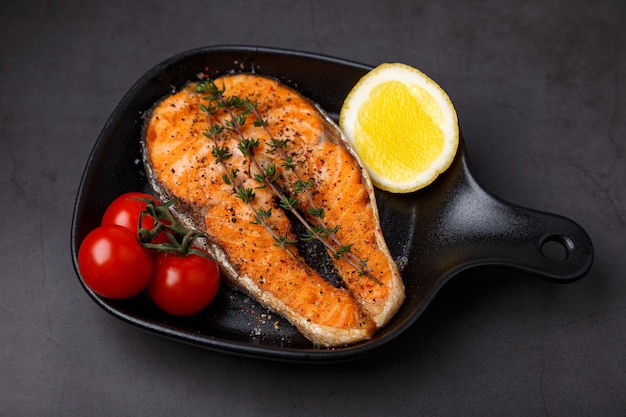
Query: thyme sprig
261	216
238	110
302	186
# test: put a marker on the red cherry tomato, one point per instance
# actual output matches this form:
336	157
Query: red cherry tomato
126	210
183	285
113	263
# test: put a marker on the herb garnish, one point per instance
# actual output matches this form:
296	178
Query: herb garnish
238	110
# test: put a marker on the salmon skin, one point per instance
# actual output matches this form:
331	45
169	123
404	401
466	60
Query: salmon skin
250	229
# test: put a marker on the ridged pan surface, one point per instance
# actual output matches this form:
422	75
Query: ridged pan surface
450	226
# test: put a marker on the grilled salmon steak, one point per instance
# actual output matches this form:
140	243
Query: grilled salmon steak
259	169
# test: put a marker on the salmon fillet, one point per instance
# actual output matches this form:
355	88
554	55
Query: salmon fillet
180	161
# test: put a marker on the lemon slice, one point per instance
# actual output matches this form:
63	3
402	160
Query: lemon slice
402	125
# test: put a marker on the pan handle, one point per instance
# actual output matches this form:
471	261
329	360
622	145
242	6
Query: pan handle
500	233
545	244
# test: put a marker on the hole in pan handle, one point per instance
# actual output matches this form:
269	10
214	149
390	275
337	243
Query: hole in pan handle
471	227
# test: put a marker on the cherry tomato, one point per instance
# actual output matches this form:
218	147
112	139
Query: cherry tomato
126	210
183	285
113	263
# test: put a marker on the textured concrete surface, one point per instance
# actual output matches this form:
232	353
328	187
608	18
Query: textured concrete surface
539	90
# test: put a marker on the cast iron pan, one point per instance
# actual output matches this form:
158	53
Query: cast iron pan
434	233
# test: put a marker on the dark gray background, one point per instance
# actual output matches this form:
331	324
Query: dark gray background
539	87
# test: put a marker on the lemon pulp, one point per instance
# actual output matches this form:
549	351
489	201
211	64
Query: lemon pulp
396	132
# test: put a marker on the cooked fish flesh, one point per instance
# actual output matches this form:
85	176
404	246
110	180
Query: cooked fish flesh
244	233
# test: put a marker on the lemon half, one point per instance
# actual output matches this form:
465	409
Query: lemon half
402	125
